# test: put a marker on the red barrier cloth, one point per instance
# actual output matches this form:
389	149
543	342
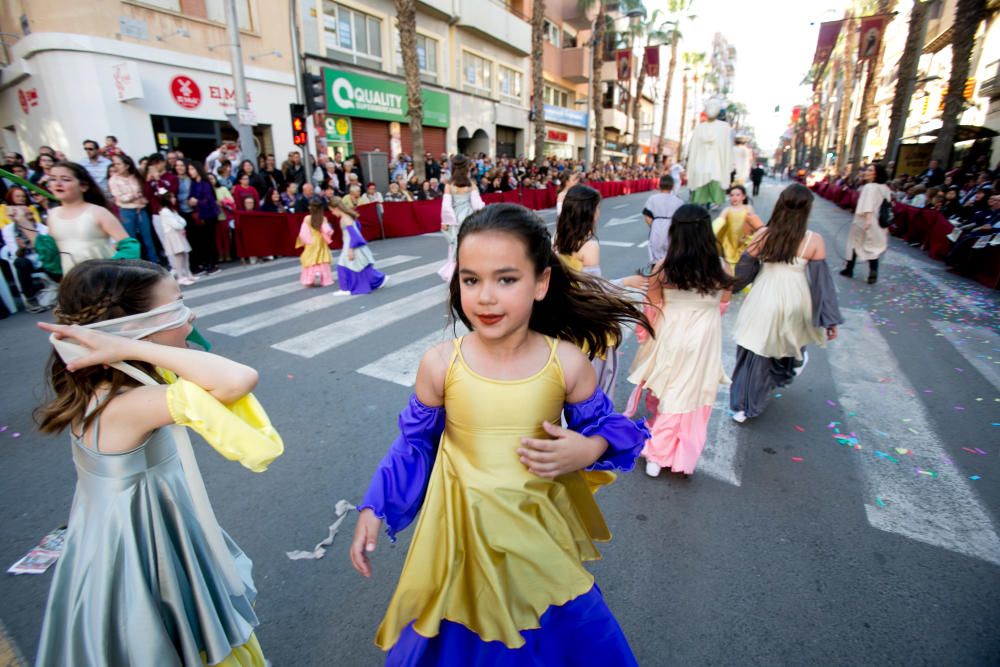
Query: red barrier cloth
901	219
427	215
368	223
919	227
937	243
984	266
398	220
492	198
264	234
512	196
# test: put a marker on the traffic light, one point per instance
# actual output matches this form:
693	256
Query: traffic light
299	136
315	92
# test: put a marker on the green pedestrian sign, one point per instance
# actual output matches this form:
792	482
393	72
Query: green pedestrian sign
338	130
360	96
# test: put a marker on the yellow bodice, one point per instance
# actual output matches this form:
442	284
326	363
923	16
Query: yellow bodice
731	235
495	545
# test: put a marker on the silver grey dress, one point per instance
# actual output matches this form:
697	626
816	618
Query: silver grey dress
137	583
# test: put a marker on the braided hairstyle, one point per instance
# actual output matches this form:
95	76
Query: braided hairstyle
94	291
586	311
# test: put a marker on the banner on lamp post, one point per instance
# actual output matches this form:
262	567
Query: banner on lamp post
872	28
623	64
828	33
652	61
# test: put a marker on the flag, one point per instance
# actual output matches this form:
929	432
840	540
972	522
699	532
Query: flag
828	33
871	31
623	63
652	61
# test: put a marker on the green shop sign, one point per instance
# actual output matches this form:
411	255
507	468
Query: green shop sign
338	130
351	94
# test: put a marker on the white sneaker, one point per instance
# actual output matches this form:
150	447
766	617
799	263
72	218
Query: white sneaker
652	469
805	360
341	292
739	417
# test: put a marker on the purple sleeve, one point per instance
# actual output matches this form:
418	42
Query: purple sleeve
597	416
357	240
397	489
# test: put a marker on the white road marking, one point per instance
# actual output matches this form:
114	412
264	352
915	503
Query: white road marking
617	244
644	243
936	506
267	318
287	269
615	222
722	457
400	367
626	205
342	332
248	298
980	347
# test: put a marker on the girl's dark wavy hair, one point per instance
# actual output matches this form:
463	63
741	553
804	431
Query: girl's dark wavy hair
460	166
787	226
92	193
576	220
586	311
692	261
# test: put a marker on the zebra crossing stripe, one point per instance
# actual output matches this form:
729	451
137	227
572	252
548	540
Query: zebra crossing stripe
267	318
617	244
342	332
400	367
289	267
644	243
976	347
922	496
290	287
615	222
722	458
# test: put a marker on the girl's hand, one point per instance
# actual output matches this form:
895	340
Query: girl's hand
365	538
636	282
192	201
350	255
101	348
831	333
444	228
568	451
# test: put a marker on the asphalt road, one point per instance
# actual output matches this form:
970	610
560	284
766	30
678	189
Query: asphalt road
876	547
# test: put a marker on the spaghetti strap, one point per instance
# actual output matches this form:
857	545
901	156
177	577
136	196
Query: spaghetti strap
457	350
805	244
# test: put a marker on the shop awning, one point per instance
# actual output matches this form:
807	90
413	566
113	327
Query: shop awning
962	133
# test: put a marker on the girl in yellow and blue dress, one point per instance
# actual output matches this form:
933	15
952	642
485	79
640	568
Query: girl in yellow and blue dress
735	225
495	571
147	576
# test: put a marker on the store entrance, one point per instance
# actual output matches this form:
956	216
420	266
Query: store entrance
197	137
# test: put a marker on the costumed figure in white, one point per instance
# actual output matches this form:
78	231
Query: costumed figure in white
742	161
710	158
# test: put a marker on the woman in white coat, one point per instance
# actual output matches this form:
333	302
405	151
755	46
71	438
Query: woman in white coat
867	240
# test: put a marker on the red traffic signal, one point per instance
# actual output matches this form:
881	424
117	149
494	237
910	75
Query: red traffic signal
299	135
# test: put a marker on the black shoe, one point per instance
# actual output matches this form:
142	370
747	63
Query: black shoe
847	273
872	278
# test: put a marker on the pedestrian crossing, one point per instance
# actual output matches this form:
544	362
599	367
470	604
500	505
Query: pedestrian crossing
267	305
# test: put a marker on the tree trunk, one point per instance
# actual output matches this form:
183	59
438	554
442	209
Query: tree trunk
537	85
846	93
596	99
406	15
637	109
868	97
684	108
906	78
666	100
968	15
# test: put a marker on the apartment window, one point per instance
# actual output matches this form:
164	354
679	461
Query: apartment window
426	55
352	31
213	10
568	40
510	83
552	33
558	97
608	95
477	73
611	44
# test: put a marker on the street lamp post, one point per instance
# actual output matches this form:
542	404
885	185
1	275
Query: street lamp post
241	119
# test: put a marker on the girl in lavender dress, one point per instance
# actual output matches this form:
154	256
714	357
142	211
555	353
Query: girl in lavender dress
356	271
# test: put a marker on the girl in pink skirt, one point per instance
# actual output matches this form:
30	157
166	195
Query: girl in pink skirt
682	366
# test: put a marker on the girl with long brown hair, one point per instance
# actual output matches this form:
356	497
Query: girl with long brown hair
315	235
792	304
461	199
147	576
510	480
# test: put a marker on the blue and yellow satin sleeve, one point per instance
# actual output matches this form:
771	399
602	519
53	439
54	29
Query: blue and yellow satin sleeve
597	416
240	431
397	488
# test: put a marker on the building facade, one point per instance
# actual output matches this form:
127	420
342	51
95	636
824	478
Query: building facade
154	73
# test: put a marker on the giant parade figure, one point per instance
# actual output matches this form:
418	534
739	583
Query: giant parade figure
710	158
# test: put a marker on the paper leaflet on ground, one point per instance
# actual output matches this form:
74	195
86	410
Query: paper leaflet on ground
41	558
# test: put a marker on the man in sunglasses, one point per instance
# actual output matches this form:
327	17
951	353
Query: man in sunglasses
96	164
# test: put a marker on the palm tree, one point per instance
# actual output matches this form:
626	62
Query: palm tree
906	77
847	60
675	7
691	61
968	15
868	96
406	16
596	64
537	89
